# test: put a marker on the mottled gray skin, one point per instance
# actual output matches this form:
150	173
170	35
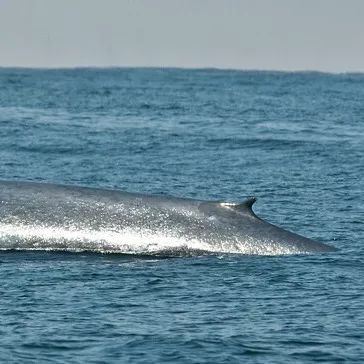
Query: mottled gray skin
218	226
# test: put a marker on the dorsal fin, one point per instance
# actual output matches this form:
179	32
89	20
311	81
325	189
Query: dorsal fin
243	207
247	204
224	209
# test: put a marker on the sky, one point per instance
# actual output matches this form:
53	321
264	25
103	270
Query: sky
323	35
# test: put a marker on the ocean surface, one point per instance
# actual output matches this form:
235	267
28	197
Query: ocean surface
293	140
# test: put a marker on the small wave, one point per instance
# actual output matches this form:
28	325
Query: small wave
266	143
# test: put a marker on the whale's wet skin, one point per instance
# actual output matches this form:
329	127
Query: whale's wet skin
38	216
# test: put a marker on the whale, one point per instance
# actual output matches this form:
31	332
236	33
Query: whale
55	217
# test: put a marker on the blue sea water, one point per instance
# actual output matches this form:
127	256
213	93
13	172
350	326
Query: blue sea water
294	140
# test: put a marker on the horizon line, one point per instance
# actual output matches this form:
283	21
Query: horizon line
191	68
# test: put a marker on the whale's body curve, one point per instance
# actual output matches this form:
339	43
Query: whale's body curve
42	216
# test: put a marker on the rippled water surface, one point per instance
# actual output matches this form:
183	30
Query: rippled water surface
294	140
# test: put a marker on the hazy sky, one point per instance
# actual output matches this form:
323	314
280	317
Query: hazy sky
323	35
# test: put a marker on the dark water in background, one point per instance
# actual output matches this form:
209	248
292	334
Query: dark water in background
294	140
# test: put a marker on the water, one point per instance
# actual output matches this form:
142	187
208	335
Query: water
294	140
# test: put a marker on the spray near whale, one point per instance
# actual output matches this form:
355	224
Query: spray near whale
40	216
